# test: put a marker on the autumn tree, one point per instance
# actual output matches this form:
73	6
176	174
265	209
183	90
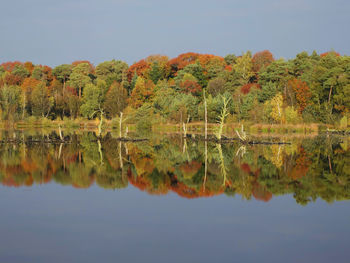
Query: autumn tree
141	68
43	73
41	101
10	101
62	73
261	60
302	93
244	68
159	67
116	100
91	66
28	85
143	91
10	66
211	64
93	100
111	71
80	77
230	59
276	105
195	70
189	84
216	86
181	62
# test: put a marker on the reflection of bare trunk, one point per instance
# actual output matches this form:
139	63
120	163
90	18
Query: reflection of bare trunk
184	149
100	125
126	149
184	127
120	155
330	164
126	132
100	151
24	146
60	151
205	163
24	105
120	124
222	164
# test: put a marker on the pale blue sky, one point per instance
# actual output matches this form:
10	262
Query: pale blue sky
61	31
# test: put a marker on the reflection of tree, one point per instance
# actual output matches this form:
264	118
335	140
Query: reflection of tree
159	166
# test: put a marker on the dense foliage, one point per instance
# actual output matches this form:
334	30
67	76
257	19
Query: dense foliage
308	88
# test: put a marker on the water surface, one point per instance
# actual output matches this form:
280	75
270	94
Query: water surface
173	200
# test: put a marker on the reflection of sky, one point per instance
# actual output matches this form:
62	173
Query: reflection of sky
56	32
52	223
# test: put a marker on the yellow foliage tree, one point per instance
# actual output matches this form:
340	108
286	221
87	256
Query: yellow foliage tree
142	92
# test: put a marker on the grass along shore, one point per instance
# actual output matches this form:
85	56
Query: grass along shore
192	128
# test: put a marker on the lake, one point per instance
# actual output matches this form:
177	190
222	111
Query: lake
171	199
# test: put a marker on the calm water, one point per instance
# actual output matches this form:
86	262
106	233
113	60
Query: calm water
174	200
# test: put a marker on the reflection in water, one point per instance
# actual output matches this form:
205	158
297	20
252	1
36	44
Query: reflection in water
308	169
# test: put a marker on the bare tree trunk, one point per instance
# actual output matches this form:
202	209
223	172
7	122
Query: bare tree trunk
205	117
205	163
60	132
329	95
24	105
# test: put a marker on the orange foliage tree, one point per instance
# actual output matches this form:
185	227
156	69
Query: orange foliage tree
143	91
302	93
29	66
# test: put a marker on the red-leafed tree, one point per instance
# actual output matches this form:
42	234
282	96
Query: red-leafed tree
262	59
181	61
191	86
329	52
245	89
141	68
10	79
9	66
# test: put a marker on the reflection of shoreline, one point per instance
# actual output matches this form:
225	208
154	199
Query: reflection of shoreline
310	168
253	136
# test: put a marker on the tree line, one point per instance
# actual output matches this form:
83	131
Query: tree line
305	89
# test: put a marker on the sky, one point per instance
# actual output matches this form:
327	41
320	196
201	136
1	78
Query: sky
62	31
